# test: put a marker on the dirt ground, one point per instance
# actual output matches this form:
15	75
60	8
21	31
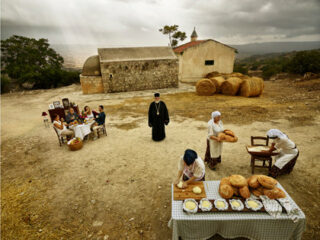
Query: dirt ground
119	186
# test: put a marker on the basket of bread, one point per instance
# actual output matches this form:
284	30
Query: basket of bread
75	144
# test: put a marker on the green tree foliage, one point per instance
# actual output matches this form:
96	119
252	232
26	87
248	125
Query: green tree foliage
27	60
241	68
5	83
174	34
305	61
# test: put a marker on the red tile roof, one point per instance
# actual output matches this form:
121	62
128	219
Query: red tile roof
183	47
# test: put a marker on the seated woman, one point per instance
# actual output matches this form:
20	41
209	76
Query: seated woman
61	127
191	168
286	159
227	136
88	114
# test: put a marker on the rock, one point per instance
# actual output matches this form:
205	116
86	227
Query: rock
93	201
90	235
97	223
40	230
290	107
159	187
105	237
131	219
141	232
100	232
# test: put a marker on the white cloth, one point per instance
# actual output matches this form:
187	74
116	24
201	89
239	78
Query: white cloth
90	116
276	133
213	130
59	130
251	225
213	115
197	169
287	151
81	130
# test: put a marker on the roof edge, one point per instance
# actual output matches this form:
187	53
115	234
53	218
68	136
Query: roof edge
203	41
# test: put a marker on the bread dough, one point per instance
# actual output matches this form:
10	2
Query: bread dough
252	204
197	190
220	204
205	204
235	204
190	205
180	184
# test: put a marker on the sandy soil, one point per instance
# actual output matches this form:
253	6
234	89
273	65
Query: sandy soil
118	187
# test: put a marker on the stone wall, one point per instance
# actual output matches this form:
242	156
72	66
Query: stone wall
91	84
122	76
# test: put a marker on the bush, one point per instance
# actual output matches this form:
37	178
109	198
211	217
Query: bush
305	61
5	84
241	68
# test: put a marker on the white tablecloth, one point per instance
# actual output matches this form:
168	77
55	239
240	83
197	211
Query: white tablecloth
81	130
232	224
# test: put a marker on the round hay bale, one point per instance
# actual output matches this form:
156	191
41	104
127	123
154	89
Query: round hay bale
231	86
217	81
205	87
236	74
252	87
212	74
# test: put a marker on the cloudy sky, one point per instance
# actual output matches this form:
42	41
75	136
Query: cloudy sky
136	22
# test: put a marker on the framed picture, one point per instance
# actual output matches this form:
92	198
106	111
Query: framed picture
65	103
51	106
56	104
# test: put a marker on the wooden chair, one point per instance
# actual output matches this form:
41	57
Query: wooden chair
102	130
60	138
266	160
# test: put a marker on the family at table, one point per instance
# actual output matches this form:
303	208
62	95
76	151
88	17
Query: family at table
192	168
80	126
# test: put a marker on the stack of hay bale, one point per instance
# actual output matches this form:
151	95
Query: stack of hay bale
230	84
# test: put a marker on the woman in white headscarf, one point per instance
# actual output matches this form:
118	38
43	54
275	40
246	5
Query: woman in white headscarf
287	157
214	143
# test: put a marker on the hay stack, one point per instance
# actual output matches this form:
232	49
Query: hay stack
217	81
205	87
231	86
252	87
212	74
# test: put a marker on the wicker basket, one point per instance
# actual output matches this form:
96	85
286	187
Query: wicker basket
76	146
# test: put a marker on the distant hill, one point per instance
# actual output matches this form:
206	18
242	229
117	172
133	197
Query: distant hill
247	50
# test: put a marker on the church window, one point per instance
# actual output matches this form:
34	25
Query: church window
209	62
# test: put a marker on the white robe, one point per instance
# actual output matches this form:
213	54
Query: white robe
287	151
215	146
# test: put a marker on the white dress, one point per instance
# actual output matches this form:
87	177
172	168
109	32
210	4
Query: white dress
215	146
287	151
59	130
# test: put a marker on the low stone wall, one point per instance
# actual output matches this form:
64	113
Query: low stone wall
123	76
91	84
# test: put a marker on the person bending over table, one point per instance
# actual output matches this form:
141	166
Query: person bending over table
61	127
288	151
72	116
100	120
191	168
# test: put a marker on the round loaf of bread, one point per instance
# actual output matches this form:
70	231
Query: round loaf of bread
253	181
244	192
238	181
225	191
257	191
267	182
225	180
274	193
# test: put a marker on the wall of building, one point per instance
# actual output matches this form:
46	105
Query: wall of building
192	61
122	76
91	84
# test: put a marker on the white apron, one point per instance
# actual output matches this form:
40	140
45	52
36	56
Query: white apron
287	151
215	146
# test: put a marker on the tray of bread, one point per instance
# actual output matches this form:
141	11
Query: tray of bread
260	151
194	190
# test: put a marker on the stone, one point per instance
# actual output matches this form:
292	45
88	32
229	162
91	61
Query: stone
105	237
97	223
131	219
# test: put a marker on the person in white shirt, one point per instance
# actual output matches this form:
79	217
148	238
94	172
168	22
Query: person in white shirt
88	113
190	168
61	127
286	159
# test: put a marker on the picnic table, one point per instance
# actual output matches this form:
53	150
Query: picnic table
82	130
251	225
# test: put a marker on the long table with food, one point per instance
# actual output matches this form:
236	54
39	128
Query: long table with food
206	208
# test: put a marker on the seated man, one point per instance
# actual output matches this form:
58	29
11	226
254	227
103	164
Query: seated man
61	127
72	116
100	120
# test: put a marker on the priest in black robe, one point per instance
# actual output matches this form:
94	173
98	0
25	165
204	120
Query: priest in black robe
158	118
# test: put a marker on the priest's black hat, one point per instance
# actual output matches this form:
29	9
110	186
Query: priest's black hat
190	156
157	94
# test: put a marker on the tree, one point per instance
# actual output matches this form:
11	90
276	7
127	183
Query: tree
30	60
305	61
174	34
